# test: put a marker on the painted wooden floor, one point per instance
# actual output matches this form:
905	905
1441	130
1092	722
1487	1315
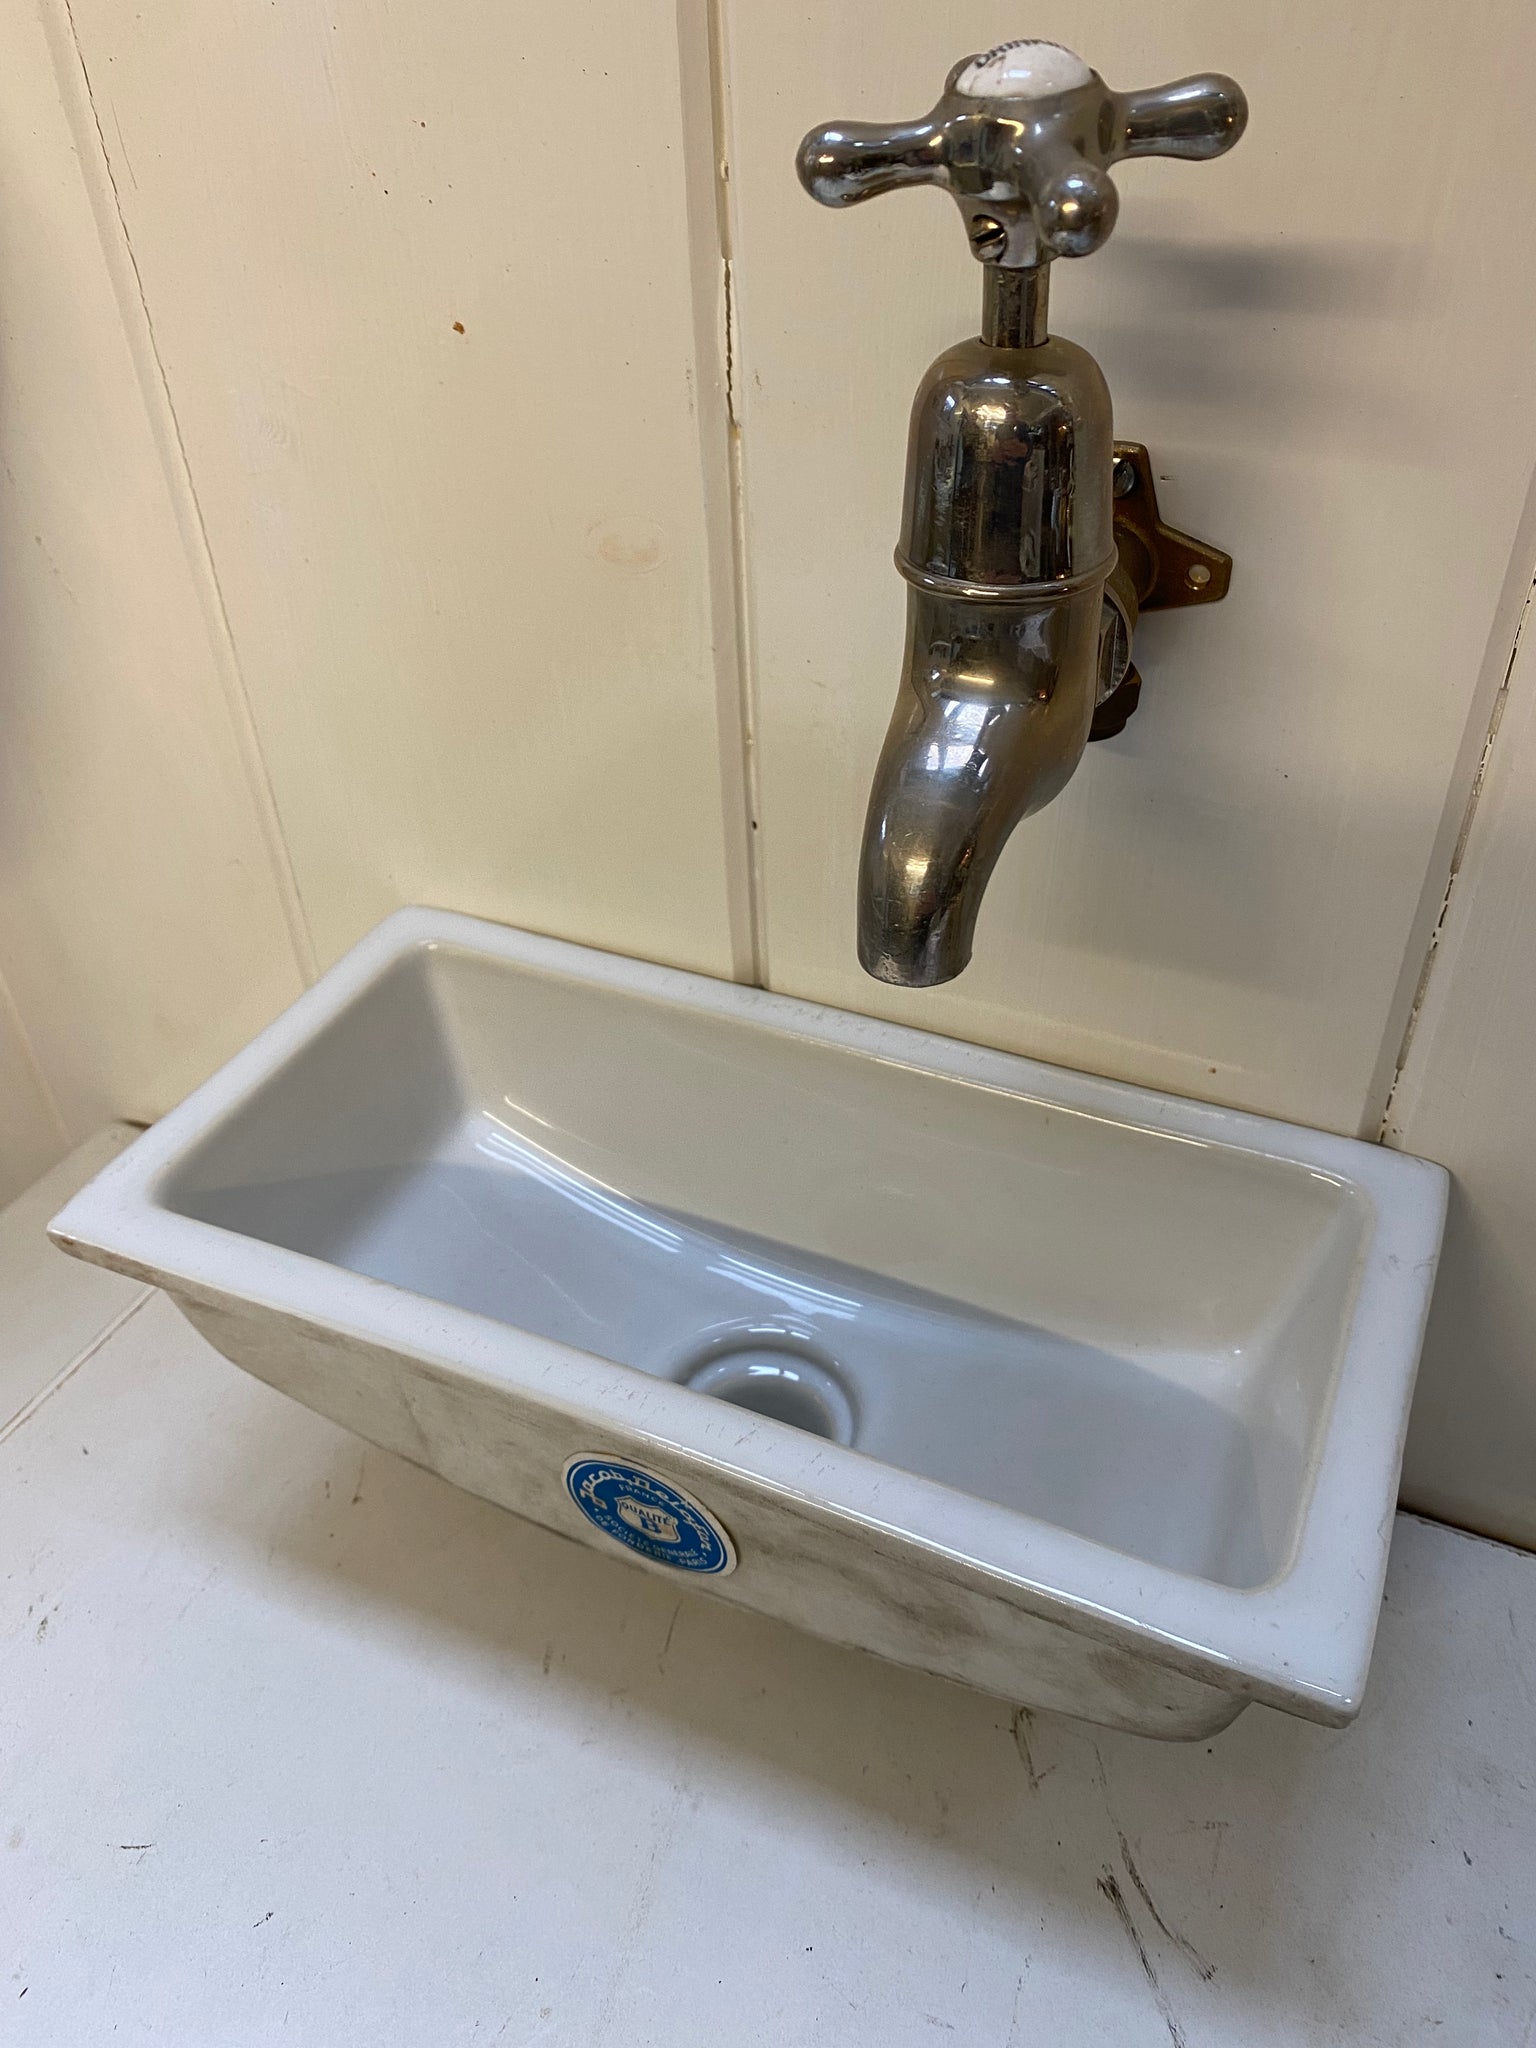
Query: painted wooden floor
297	1744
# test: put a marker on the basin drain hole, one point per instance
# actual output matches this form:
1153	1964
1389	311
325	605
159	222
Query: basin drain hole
781	1385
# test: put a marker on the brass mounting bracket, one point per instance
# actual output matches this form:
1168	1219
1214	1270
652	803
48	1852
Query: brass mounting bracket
1159	568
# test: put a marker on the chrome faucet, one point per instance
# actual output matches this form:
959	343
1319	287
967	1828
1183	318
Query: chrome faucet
1020	604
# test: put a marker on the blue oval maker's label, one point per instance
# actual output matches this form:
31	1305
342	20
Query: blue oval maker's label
649	1515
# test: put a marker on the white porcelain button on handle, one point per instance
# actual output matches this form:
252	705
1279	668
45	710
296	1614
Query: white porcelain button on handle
1022	71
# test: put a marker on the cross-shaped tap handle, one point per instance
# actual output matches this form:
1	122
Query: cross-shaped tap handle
1023	137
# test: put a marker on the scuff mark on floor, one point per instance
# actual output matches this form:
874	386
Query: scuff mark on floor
1109	1885
630	1943
1018	1997
1205	1970
661	1661
197	1593
1023	1727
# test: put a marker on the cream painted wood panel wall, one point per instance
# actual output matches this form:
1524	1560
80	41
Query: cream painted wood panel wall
421	281
358	499
143	933
1325	340
1468	1098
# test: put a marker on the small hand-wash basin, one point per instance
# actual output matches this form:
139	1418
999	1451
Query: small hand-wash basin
1088	1397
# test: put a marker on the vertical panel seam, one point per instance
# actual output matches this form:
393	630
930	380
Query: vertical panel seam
1458	856
1443	855
744	652
165	426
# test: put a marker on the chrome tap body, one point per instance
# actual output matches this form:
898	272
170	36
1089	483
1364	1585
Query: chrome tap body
1007	540
1007	536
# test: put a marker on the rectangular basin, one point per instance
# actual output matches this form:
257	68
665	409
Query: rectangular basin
1089	1397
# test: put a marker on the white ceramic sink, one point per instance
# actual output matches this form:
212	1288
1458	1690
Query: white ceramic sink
1089	1397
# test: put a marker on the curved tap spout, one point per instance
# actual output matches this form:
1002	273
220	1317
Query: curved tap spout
1007	538
992	718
